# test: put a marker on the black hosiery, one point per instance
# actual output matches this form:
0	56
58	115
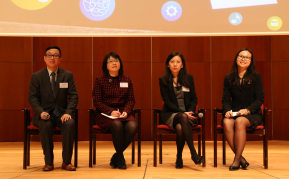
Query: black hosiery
122	135
235	132
180	140
183	126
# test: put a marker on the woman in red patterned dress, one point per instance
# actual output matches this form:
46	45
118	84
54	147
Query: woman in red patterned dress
113	95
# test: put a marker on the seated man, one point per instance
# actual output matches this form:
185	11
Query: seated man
53	97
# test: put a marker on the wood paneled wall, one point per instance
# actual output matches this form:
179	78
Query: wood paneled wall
208	59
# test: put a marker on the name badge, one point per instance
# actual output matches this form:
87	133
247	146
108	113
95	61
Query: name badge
124	84
185	89
63	85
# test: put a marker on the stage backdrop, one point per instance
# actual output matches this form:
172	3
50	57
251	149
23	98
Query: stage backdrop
143	17
208	59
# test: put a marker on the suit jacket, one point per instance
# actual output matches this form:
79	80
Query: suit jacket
171	104
236	98
41	97
108	96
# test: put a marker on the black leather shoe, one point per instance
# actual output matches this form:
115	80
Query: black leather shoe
199	161
113	161
233	168
121	164
179	163
244	165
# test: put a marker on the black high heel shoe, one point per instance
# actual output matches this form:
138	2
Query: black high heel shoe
113	161
179	163
233	168
199	161
244	165
121	164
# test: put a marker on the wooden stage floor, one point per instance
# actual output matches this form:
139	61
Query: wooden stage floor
11	157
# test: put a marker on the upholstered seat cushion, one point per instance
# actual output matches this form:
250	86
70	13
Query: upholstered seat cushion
96	127
33	127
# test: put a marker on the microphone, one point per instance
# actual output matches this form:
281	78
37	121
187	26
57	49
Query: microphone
45	116
200	115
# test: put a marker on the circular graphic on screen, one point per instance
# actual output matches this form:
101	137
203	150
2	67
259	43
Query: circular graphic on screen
274	23
31	4
171	11
97	10
235	18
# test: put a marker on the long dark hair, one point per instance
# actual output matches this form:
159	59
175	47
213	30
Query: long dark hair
248	77
104	64
182	76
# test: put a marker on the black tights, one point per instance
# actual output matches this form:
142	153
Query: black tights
235	132
184	134
123	133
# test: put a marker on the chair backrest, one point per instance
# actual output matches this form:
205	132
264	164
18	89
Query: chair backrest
31	113
262	108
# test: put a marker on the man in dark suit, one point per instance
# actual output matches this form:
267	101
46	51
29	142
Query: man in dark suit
53	97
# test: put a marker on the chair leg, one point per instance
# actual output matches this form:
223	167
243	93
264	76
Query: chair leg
132	151
199	145
139	150
25	153
161	149
155	150
28	151
265	151
94	150
215	149
224	150
204	150
90	150
75	151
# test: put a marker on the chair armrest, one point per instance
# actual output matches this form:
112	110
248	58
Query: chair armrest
266	116
202	120
216	112
76	116
138	112
27	120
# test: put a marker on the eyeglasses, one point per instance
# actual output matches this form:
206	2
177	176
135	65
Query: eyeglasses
112	61
54	56
244	57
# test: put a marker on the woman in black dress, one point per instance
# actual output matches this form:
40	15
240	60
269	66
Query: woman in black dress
113	95
180	101
243	93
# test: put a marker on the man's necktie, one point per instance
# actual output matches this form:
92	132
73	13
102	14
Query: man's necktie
56	110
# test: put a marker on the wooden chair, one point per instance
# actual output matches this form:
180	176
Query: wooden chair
30	130
260	130
96	130
162	129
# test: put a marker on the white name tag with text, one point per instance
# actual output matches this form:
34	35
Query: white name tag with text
63	85
185	89
124	84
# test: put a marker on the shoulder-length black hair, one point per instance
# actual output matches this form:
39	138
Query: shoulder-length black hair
182	76
104	64
248	77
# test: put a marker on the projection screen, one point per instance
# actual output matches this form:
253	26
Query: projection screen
143	17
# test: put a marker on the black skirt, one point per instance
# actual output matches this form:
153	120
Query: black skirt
255	119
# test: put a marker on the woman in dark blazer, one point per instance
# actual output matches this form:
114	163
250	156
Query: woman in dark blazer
113	95
243	93
180	101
